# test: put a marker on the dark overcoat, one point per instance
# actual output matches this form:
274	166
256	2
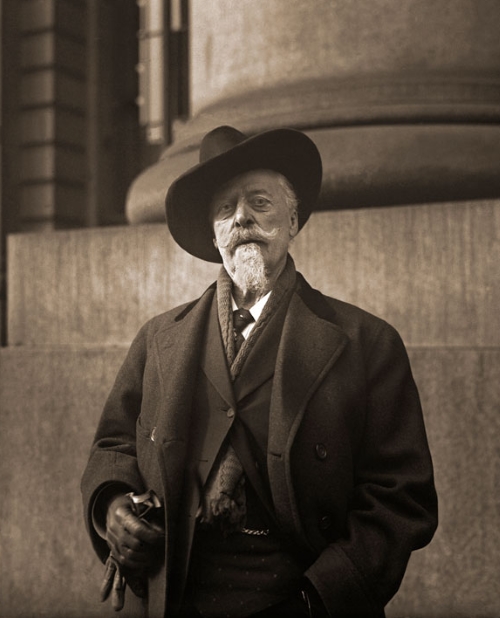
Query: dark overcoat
348	460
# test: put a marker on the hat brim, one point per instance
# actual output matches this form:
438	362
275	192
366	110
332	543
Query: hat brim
286	151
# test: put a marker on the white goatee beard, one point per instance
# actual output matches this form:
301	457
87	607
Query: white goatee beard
248	270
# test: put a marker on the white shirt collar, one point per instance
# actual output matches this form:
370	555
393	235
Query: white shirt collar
257	309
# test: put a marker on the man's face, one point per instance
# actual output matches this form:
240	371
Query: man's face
250	214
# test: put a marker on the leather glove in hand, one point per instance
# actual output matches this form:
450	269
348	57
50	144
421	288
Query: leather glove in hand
132	541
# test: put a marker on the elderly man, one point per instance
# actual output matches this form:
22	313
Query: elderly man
279	430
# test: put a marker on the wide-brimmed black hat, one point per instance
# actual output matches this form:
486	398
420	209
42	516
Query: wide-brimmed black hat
225	153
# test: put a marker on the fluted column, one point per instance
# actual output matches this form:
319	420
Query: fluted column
402	98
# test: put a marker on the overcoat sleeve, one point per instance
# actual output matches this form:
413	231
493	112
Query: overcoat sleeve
393	506
113	456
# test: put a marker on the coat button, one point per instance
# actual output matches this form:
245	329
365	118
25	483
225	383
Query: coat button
230	413
325	522
321	451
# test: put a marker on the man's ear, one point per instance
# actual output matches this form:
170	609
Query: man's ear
214	240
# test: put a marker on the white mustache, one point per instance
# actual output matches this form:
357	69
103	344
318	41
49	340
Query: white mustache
246	236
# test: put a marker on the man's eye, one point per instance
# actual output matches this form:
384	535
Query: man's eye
260	201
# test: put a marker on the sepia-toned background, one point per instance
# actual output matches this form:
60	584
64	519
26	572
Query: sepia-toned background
104	103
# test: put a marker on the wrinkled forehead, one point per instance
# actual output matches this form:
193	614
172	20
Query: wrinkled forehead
262	180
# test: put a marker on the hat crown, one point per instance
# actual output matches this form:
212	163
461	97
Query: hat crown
218	141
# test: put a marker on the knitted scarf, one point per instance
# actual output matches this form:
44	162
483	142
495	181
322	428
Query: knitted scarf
224	288
224	500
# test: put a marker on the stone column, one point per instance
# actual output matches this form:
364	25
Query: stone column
402	98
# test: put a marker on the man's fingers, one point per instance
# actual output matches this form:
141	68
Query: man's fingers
160	531
133	559
125	539
129	557
142	530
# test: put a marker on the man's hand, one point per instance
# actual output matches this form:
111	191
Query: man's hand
132	540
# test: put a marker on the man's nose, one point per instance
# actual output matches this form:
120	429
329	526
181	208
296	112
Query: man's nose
243	216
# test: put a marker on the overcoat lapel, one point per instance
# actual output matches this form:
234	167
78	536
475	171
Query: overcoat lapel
215	424
213	358
309	347
178	349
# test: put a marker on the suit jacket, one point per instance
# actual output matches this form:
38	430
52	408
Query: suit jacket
348	460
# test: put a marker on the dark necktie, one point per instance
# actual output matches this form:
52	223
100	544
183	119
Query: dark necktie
241	319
